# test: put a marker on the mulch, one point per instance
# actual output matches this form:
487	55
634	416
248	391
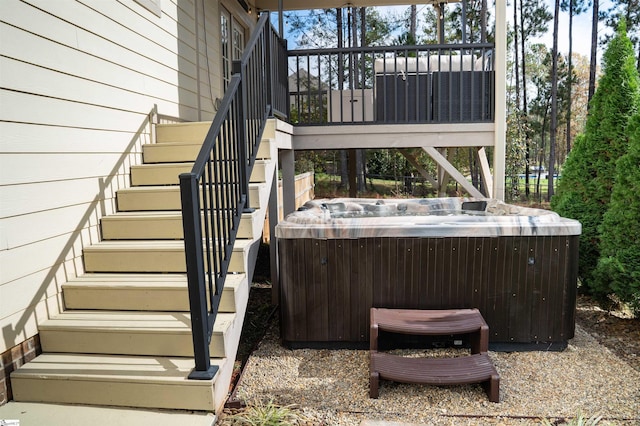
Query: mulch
614	329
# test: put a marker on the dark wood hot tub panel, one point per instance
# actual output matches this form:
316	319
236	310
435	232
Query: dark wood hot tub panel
525	287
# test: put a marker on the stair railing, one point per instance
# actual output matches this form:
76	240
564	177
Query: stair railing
215	194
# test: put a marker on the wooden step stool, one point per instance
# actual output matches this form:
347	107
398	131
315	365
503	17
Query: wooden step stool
476	368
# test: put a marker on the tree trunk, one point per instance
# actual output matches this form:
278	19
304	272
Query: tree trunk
406	176
340	46
516	56
360	170
554	101
344	169
413	21
483	22
353	42
527	153
570	76
594	52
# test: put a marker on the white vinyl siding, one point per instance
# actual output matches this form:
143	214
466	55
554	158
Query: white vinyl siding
151	5
79	83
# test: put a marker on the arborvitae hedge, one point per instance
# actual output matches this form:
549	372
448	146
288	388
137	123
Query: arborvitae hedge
619	265
584	190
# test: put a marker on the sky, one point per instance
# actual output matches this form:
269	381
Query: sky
581	28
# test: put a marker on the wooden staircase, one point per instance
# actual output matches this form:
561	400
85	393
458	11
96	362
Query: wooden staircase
475	368
125	338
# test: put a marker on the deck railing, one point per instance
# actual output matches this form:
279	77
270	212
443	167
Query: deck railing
216	191
450	83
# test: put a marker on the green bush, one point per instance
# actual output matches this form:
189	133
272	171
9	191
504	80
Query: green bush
584	191
619	265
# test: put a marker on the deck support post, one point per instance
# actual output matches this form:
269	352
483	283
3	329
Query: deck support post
274	218
287	158
500	115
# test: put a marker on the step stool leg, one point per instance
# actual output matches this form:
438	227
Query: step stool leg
374	379
492	388
480	340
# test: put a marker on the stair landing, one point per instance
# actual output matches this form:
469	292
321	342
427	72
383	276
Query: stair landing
116	380
33	413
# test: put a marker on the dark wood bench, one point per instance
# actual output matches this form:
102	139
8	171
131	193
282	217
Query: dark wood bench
476	368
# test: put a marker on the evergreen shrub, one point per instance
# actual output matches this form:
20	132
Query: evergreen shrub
584	190
619	265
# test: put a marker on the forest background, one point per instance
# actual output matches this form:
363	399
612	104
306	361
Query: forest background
547	100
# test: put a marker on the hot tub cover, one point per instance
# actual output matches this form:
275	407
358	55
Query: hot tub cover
424	217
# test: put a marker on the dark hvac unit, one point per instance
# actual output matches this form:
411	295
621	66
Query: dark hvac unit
462	96
403	97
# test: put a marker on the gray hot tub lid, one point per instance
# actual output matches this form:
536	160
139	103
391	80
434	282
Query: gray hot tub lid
426	217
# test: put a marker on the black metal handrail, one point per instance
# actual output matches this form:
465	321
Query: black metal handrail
438	83
278	69
216	191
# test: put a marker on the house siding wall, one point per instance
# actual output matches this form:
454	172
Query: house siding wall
81	83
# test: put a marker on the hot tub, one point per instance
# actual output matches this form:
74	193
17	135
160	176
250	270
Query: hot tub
340	257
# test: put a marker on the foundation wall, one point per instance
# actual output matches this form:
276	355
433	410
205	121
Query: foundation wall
14	358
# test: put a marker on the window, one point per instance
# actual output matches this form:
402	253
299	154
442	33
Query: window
226	54
238	40
232	38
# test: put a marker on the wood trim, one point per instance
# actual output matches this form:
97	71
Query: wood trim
384	136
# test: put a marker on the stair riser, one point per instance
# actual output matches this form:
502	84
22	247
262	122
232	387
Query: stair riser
165	153
119	342
158	174
115	228
166	199
126	299
174	152
264	150
182	133
149	174
133	299
145	261
95	392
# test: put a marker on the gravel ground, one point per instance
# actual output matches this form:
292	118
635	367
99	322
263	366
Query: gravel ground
330	387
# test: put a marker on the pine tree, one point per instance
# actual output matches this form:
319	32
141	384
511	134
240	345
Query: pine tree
584	191
619	265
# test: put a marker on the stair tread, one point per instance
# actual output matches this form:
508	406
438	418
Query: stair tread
136	245
176	164
121	368
152	214
129	321
428	322
459	370
151	245
171	188
182	164
142	280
